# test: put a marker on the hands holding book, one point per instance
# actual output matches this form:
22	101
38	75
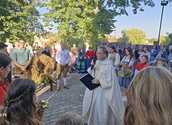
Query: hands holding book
90	82
96	81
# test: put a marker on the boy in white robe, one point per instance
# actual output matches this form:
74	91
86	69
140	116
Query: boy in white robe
103	105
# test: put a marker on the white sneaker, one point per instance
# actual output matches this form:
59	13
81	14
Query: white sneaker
58	85
65	81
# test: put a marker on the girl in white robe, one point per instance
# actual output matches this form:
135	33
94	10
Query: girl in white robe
103	105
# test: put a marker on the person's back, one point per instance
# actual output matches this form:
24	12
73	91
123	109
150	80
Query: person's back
154	52
150	98
41	66
20	105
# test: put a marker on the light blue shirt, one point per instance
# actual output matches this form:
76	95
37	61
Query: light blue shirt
63	57
21	56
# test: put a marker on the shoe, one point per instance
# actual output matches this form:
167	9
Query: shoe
65	81
58	85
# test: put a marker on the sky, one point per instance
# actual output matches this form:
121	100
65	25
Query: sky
148	20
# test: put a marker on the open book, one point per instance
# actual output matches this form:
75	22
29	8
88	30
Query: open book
87	81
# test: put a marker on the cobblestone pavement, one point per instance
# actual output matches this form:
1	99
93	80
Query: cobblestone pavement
64	101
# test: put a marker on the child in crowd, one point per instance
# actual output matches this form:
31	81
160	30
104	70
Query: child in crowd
70	118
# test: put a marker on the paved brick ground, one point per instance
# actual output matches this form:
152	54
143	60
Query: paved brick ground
64	101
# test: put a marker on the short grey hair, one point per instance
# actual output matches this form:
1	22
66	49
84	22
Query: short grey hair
70	118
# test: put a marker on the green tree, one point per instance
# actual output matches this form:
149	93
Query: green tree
88	20
163	40
134	36
169	38
18	19
111	38
152	40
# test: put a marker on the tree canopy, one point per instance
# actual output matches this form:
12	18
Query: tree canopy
18	19
134	36
163	40
169	38
88	20
77	20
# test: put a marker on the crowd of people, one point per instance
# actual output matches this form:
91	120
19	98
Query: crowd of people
142	74
146	85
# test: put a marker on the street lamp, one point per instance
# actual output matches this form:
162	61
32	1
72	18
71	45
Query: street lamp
163	4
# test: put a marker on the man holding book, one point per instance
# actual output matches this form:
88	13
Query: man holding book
103	105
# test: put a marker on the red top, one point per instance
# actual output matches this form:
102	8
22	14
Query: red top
140	66
90	54
3	92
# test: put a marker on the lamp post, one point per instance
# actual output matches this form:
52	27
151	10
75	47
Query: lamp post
163	4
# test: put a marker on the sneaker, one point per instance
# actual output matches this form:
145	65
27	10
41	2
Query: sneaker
58	85
65	81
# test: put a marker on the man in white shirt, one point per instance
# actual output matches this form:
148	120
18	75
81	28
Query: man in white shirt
63	60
